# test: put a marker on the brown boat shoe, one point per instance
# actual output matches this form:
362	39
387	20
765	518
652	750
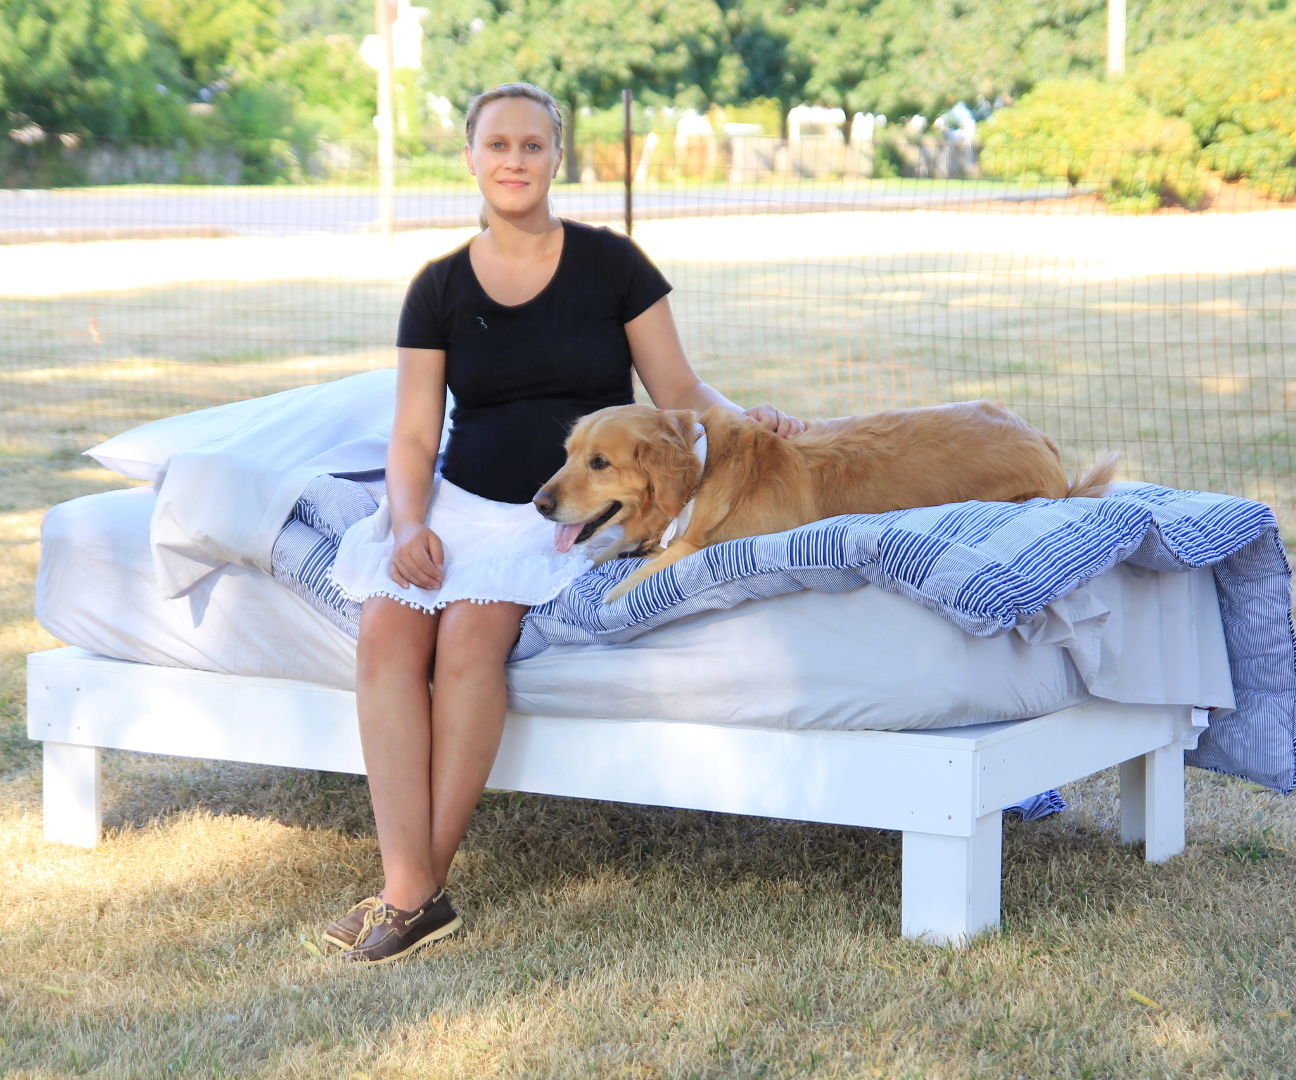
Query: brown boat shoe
341	933
388	933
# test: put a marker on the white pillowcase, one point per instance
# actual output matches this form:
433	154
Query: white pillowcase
224	500
142	453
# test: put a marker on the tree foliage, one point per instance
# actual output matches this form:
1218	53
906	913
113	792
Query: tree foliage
326	18
584	52
289	70
85	66
1236	87
901	57
1100	134
214	38
323	81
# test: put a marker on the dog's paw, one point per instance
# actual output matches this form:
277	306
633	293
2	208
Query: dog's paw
647	549
615	593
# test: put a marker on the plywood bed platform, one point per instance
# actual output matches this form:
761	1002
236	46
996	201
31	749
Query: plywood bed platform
943	789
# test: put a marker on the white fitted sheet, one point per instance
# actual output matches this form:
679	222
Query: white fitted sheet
862	659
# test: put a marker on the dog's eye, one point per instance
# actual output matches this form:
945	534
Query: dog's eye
598	461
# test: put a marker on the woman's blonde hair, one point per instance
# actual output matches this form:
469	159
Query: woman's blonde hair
511	90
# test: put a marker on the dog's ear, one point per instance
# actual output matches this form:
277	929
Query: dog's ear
666	457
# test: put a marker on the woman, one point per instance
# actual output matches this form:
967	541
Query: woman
533	323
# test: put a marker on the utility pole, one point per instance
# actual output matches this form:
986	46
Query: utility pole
1115	38
384	121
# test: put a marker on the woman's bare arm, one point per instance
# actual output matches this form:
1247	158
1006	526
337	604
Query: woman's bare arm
411	464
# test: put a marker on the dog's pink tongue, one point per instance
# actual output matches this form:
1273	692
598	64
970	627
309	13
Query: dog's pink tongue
565	536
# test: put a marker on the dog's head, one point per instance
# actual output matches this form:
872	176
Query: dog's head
628	465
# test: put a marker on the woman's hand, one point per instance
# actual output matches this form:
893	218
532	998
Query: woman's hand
776	420
417	558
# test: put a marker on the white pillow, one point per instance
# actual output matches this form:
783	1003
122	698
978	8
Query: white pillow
142	452
224	501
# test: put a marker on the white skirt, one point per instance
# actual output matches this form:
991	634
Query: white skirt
493	551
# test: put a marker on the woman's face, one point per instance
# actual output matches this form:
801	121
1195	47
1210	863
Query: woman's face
514	155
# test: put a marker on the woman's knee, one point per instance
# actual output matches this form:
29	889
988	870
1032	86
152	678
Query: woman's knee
394	635
472	634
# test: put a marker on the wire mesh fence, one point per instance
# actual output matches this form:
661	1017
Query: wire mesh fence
1170	337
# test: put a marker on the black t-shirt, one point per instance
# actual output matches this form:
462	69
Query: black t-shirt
522	374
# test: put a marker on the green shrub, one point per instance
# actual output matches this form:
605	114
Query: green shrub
1097	134
260	120
767	112
1236	86
441	162
1265	159
888	160
332	91
1141	182
609	124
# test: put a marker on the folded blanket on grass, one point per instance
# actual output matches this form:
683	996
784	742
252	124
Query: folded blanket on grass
986	567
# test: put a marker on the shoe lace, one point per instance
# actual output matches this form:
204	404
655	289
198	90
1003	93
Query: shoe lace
377	912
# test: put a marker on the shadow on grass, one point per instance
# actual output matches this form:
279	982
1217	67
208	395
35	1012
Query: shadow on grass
595	927
531	841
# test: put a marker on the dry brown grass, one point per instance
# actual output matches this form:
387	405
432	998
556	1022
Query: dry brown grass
620	941
1168	338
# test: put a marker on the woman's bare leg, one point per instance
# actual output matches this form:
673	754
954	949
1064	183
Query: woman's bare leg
393	658
469	701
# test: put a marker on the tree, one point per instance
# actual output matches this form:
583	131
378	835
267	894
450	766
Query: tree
584	52
133	66
769	67
901	57
88	67
331	90
299	18
1233	85
216	37
1160	22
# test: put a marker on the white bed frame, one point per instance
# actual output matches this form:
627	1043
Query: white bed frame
942	789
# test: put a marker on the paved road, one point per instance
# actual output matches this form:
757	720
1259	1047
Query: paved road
258	212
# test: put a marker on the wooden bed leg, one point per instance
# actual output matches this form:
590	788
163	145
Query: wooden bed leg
1152	802
950	885
71	794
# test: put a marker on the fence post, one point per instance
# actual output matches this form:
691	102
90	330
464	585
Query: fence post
628	141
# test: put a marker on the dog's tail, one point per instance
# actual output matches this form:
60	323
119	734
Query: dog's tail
1095	480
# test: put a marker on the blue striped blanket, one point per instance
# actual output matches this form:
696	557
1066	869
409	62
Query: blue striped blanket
986	567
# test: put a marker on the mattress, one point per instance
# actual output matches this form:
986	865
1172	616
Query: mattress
864	658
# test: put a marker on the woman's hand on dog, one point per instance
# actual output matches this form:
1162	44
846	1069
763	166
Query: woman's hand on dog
417	558
776	420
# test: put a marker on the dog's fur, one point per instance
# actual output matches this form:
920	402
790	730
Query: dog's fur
635	466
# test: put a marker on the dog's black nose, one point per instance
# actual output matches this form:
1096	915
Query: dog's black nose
544	502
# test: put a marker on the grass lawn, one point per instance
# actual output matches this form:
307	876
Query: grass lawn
622	941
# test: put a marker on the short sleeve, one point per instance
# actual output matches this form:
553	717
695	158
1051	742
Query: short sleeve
643	284
420	325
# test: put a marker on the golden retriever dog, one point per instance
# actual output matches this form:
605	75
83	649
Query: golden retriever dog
637	467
